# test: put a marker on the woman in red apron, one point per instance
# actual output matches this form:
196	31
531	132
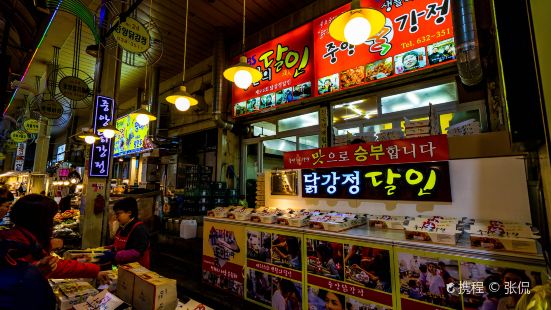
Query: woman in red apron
132	239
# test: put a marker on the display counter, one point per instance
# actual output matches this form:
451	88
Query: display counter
359	267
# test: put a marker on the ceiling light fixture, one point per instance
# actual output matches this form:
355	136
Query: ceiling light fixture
243	74
181	98
89	136
357	25
109	131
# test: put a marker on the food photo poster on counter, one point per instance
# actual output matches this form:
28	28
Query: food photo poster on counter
439	281
348	274
224	247
274	268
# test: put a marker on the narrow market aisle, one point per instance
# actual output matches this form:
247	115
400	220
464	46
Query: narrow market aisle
180	259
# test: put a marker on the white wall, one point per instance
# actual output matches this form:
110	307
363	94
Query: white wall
482	188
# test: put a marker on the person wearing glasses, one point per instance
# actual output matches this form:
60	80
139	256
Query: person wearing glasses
132	239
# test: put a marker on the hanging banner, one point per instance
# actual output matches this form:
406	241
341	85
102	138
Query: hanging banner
274	266
19	136
20	156
100	155
224	256
348	273
31	125
432	148
287	73
417	34
412	182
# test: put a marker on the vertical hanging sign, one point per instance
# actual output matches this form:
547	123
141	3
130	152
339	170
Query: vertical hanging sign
20	156
100	155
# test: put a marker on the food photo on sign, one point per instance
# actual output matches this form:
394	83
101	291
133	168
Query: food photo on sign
496	287
286	251
259	246
427	279
369	267
325	259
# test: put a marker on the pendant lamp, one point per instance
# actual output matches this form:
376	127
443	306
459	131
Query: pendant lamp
357	25
109	131
89	136
143	116
181	98
243	74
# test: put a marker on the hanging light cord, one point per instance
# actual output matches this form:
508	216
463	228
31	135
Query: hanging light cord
243	42
185	42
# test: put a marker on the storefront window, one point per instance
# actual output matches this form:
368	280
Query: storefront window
308	142
419	98
352	130
297	122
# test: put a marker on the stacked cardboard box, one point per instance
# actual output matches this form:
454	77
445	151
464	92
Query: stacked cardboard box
390	134
415	129
144	289
465	128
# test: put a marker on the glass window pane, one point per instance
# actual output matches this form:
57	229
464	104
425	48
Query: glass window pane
419	98
264	129
377	128
354	110
308	142
353	130
274	149
296	122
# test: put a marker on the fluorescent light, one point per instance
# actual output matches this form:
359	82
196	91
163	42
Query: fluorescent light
347	117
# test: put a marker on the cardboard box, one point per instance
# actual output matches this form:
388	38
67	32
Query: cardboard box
126	278
523	245
153	292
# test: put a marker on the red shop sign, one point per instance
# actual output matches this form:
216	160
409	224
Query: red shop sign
417	34
287	72
432	148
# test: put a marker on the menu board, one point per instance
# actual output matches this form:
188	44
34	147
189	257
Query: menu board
224	256
438	281
287	71
274	268
134	136
341	273
308	62
412	182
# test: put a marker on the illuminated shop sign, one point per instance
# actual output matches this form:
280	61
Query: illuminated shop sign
134	136
308	62
412	182
287	73
417	34
101	149
432	148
